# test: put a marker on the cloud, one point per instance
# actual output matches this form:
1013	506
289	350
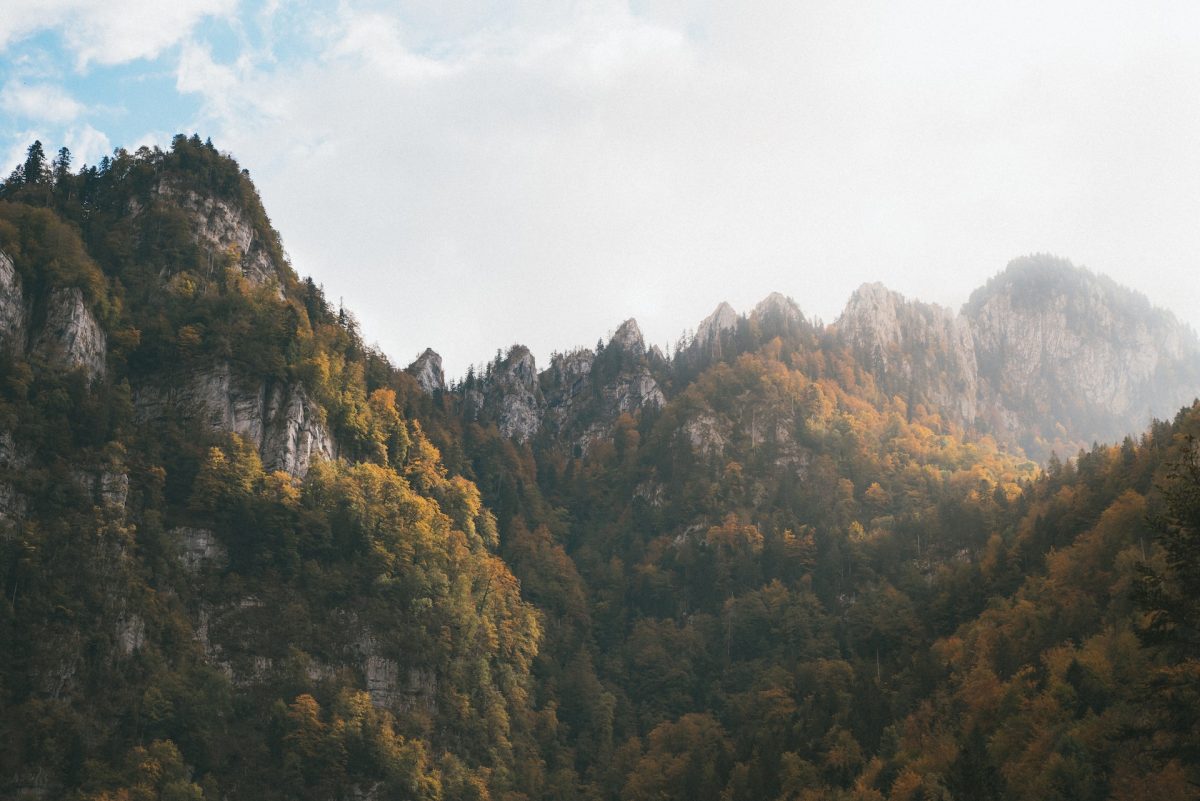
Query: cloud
87	145
111	32
524	174
537	172
42	102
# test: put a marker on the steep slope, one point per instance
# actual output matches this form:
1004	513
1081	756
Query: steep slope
921	352
232	567
1063	350
1047	356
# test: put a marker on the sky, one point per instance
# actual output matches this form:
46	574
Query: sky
471	175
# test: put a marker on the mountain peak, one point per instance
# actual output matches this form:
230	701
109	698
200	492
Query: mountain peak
628	337
723	318
427	369
778	305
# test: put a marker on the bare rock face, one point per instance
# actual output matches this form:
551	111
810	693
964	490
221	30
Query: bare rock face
1047	356
515	396
577	399
628	338
1057	344
919	351
510	395
427	369
70	336
295	434
723	318
13	312
223	228
384	685
707	434
279	420
198	547
130	633
107	485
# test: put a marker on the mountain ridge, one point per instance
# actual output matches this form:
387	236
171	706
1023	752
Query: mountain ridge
244	556
1054	313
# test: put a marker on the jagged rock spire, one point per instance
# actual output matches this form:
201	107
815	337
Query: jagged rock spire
427	369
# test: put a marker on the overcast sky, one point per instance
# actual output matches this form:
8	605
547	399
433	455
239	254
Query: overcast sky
470	175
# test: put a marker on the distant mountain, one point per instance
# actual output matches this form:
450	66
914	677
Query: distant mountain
1046	357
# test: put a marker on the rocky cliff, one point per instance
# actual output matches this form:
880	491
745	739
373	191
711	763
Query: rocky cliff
509	394
427	369
67	335
223	228
1059	346
1046	356
279	419
919	351
576	399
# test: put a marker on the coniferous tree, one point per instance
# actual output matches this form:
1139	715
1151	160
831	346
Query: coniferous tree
35	169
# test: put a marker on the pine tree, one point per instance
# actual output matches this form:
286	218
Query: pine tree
36	171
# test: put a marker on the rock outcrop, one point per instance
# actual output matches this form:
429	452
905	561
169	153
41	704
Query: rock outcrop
723	318
509	394
1047	356
777	315
68	337
1059	346
222	228
13	312
278	419
918	351
198	547
576	399
427	369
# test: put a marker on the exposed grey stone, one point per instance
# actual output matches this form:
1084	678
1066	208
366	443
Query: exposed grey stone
199	547
628	337
918	351
1057	343
131	633
70	336
13	311
723	318
427	369
295	434
279	420
222	228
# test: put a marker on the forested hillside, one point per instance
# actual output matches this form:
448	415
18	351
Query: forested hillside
245	556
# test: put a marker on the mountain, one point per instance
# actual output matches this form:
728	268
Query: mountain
1046	358
243	555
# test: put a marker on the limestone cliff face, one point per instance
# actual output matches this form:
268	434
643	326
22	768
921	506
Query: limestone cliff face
221	227
1047	356
723	318
280	420
576	399
13	311
510	394
586	392
777	311
68	337
634	386
427	369
919	351
1057	344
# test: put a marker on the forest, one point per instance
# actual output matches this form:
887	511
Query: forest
781	582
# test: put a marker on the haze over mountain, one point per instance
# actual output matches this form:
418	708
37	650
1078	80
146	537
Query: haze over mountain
244	556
